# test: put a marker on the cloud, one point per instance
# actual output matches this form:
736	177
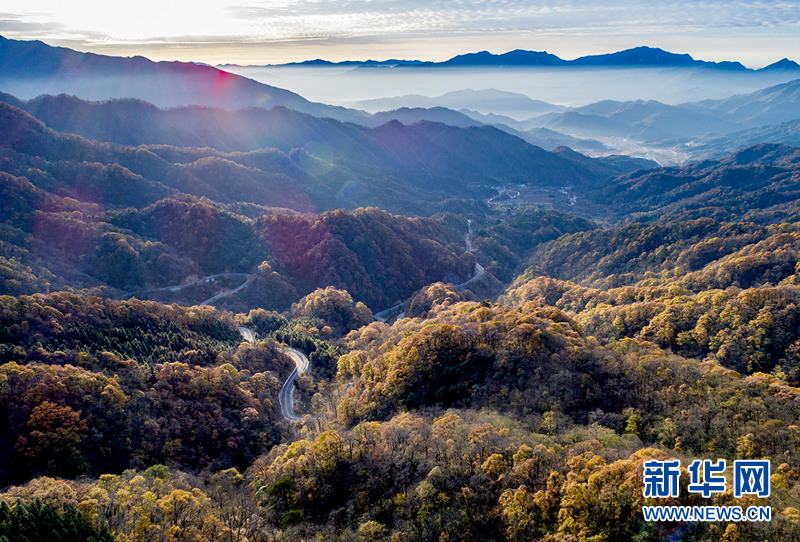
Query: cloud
311	18
12	24
363	16
273	19
181	24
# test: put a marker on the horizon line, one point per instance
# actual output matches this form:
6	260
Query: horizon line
720	63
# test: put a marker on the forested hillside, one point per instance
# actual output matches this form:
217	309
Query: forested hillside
721	291
378	257
494	357
758	184
523	428
93	386
275	157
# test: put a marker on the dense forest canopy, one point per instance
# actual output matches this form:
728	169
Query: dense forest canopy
499	337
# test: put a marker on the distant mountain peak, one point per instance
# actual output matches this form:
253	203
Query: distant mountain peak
517	57
783	64
638	56
652	56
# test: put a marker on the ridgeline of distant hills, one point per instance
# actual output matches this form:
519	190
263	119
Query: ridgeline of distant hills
635	57
700	128
280	157
31	68
708	128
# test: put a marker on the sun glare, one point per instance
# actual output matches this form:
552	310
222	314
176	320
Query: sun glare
135	21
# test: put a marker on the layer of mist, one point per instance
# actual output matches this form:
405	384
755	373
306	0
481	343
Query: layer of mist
570	87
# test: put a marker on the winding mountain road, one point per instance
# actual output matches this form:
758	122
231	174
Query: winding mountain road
509	192
479	272
247	276
286	396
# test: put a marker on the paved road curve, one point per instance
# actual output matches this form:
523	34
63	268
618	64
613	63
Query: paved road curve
229	292
247	276
247	334
286	396
479	272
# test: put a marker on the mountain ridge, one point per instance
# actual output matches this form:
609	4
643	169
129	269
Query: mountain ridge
762	116
641	56
187	149
32	68
756	184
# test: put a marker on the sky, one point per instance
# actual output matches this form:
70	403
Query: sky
755	33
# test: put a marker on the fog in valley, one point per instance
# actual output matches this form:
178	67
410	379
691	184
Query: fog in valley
570	87
548	106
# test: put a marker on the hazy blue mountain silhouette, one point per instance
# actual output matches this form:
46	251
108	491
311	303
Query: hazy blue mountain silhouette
31	68
772	105
654	121
642	56
279	157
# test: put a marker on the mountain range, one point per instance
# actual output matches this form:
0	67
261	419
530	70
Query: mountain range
697	129
330	164
125	195
636	57
31	68
162	204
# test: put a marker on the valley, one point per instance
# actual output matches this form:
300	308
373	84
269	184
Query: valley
195	270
